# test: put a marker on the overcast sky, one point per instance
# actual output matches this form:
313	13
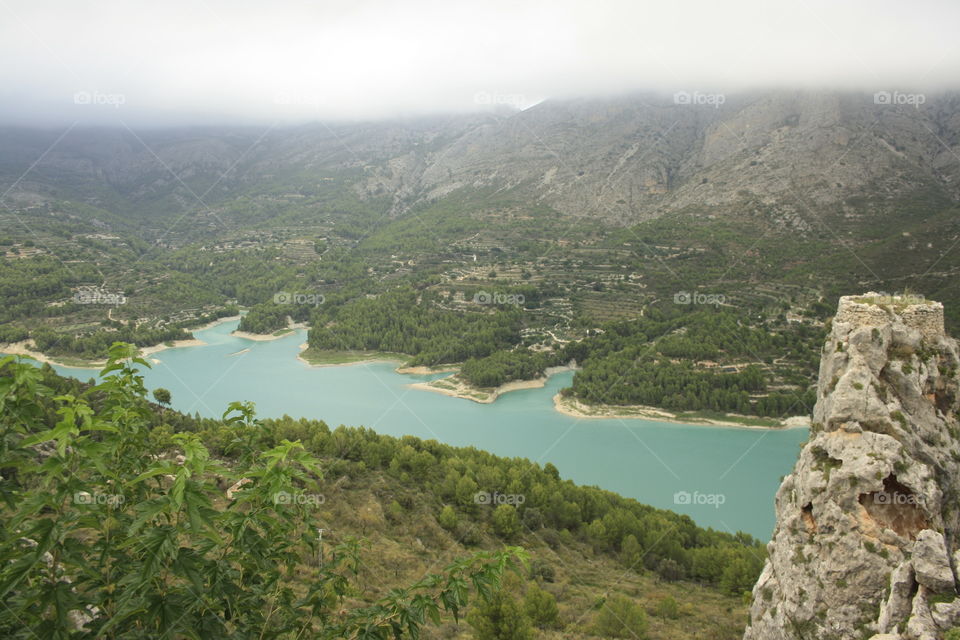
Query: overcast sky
227	60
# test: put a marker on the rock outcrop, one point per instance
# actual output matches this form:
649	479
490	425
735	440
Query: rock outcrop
865	544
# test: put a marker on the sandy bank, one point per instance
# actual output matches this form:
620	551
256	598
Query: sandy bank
425	371
157	348
458	388
260	337
27	348
574	408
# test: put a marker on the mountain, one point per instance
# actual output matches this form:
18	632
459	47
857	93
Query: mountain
865	544
769	199
624	160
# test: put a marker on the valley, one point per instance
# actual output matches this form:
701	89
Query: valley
612	312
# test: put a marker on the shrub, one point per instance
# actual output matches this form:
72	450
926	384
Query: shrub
621	617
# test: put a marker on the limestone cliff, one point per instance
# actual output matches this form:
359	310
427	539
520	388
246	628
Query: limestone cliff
867	523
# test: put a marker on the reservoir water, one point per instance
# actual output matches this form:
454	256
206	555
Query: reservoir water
723	478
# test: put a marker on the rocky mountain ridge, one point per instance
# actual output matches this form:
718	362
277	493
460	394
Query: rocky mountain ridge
622	160
865	544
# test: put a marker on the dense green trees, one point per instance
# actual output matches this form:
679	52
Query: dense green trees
504	366
95	345
106	535
641	537
265	318
404	321
652	361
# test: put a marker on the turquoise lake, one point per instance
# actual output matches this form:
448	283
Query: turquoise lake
649	461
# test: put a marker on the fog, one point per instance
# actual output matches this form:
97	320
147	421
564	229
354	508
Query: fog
208	61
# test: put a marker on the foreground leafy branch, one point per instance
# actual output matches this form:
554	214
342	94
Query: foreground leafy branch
107	534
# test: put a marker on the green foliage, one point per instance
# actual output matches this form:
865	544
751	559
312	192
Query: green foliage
642	537
505	366
101	522
448	518
162	395
541	607
266	318
667	607
621	617
399	322
97	344
647	362
506	524
501	617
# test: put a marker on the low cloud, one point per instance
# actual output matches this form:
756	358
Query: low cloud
230	60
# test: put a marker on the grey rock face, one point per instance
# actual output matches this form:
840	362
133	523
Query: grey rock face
867	523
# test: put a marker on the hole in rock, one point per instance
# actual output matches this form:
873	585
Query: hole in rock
806	513
896	507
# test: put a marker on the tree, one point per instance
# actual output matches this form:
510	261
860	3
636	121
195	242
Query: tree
162	396
448	518
620	617
506	524
668	608
501	617
540	606
541	569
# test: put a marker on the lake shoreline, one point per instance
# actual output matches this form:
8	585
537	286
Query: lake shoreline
458	388
349	363
576	409
27	348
